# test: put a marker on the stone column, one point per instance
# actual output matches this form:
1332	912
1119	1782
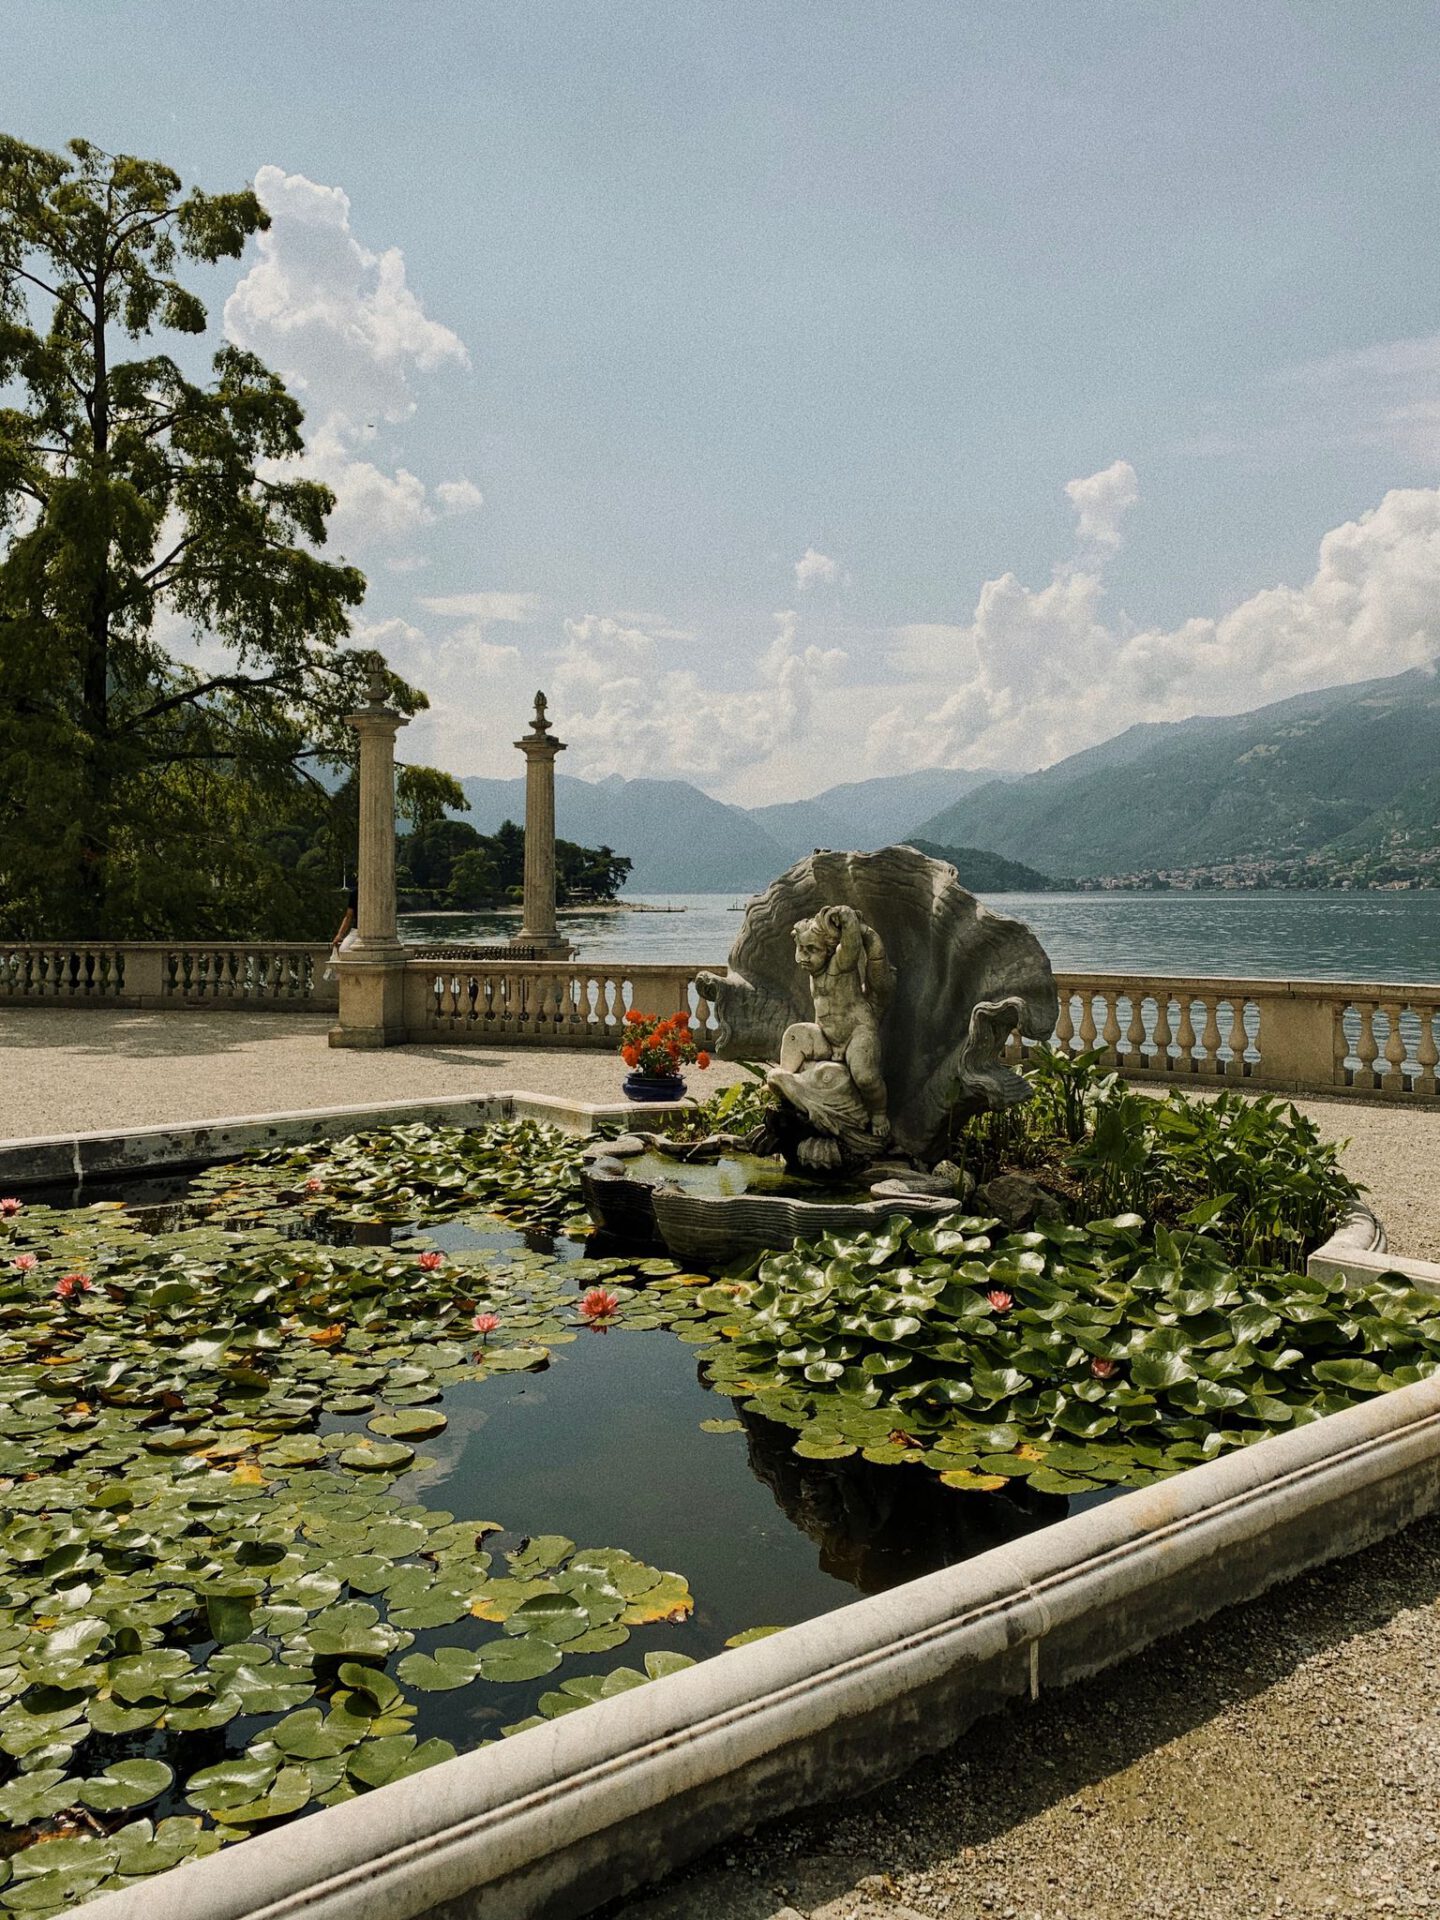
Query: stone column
372	967
539	929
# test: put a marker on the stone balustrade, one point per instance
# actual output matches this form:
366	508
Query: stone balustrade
163	973
562	1003
1374	1039
1290	1036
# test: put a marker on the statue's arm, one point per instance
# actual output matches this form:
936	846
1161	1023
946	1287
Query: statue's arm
851	929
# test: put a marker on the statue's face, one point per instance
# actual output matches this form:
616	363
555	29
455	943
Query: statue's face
812	948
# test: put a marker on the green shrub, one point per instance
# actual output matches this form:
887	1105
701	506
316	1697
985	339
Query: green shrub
1275	1187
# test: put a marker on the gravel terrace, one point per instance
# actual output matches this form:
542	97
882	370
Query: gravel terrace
1282	1760
84	1070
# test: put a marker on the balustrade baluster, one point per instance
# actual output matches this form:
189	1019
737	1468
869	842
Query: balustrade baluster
1339	1044
1367	1046
1087	1021
1135	1033
1210	1036
1110	1032
1185	1037
1394	1079
1160	1059
1427	1054
1064	1026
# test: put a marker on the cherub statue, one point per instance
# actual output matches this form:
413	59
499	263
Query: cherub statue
830	1067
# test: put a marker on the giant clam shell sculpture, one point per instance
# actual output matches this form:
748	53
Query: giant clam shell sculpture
965	979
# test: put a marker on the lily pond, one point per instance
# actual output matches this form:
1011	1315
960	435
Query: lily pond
351	1457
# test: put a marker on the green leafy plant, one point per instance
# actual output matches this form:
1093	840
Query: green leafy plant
192	1539
1111	1149
739	1108
1068	1357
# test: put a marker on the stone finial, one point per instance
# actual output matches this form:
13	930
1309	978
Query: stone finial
377	690
540	741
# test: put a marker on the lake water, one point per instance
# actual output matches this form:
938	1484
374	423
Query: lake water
1336	936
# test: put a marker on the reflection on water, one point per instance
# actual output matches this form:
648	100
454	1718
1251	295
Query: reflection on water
1335	936
876	1527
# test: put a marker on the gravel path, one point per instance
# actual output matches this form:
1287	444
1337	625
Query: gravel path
1283	1760
74	1070
80	1070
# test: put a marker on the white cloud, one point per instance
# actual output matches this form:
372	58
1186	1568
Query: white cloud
483	606
1101	502
338	320
348	334
814	569
475	687
1038	673
459	496
1386	395
621	707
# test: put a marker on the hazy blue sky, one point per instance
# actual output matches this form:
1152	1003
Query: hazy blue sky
690	292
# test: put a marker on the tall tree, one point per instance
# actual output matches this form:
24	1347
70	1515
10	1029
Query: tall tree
141	794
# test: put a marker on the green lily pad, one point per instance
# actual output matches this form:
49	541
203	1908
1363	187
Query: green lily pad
442	1671
127	1783
527	1658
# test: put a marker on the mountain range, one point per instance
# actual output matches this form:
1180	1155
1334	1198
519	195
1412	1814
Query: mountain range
1348	770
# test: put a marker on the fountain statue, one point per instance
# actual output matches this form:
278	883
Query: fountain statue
915	989
886	997
829	1067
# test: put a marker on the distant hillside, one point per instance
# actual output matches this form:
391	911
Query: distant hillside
985	872
680	840
1352	765
863	814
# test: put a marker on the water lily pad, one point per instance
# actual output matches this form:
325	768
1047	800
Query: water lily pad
377	1457
441	1671
418	1424
127	1783
751	1634
527	1658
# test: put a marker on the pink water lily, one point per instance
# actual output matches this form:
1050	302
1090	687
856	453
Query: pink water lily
999	1299
599	1305
25	1262
71	1285
485	1323
429	1262
9	1207
1102	1368
314	1186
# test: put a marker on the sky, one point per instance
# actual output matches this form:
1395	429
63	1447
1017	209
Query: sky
810	392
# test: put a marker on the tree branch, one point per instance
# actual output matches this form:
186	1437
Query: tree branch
234	682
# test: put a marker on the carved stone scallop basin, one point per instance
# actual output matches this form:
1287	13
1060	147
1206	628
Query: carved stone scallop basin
719	1209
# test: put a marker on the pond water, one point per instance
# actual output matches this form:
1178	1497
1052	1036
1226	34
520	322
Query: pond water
604	1445
321	1429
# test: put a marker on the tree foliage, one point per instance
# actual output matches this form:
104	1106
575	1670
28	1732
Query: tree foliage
451	864
148	499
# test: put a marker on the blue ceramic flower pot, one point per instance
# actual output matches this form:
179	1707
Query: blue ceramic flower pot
654	1086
